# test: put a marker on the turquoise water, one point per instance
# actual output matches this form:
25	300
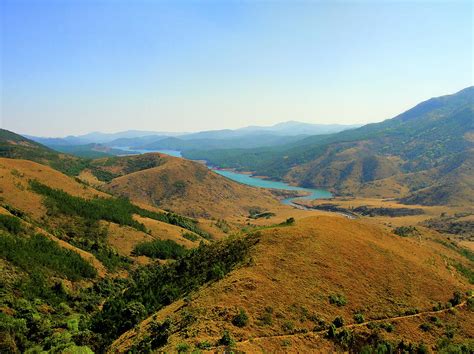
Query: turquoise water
248	179
263	183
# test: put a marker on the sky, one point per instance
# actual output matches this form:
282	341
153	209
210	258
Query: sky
72	67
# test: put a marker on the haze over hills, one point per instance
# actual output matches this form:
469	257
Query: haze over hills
412	155
254	136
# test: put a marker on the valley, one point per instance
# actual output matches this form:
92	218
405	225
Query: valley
360	241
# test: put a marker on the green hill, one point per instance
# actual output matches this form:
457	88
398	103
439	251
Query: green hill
426	143
15	146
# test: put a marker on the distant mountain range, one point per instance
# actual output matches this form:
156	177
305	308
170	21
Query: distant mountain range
249	137
424	155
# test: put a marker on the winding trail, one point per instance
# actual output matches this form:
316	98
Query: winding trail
316	334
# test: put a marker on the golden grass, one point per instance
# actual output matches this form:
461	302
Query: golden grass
295	269
14	187
190	188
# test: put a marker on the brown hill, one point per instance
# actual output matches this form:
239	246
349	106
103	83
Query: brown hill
300	278
16	193
183	186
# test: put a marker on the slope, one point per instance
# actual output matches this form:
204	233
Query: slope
427	140
15	146
299	279
184	186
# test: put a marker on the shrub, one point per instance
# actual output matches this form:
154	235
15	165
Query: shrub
337	299
267	317
288	326
241	319
338	322
182	347
387	326
204	345
226	339
436	321
10	223
412	311
223	225
286	343
470	304
190	236
359	318
331	331
425	327
405	231
162	249
457	298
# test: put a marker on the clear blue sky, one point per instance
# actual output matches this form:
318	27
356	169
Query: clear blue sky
75	66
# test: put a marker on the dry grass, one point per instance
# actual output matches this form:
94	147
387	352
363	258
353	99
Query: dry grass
14	187
295	269
190	188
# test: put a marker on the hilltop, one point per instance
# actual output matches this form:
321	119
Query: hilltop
15	146
420	152
184	186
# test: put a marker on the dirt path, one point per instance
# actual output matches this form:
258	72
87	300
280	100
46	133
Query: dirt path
355	325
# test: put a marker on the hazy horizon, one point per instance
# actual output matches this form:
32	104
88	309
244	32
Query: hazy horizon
70	68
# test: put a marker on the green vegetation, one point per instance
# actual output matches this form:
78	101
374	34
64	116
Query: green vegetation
428	136
337	299
103	175
406	231
241	319
38	253
226	340
425	327
190	236
10	223
117	210
223	225
257	213
182	347
359	318
461	268
266	319
157	286
288	326
174	219
204	345
338	322
162	249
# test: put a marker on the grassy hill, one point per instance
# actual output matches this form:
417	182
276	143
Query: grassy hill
429	142
184	186
84	270
295	281
65	246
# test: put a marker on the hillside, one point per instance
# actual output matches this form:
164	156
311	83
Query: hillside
184	186
83	270
15	146
297	279
410	154
65	245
